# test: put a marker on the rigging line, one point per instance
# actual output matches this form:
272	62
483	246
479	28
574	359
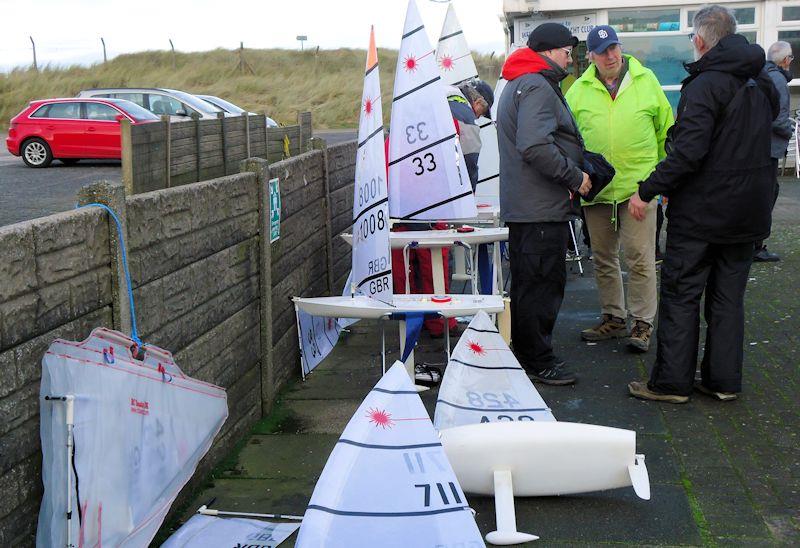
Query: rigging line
376	204
370	136
77	489
434	206
426	147
419	87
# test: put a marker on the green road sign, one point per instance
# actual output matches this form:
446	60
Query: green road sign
274	210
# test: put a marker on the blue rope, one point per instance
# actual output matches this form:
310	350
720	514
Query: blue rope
135	333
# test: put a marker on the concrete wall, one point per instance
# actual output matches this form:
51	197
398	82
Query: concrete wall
205	288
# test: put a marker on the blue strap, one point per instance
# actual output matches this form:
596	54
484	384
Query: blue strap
135	332
485	269
413	327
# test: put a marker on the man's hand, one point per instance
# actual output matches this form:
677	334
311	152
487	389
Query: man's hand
586	185
637	207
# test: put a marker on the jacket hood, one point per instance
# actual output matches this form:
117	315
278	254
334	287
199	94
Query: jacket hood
734	55
527	61
772	67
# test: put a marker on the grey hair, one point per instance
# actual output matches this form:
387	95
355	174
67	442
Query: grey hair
713	23
472	94
779	51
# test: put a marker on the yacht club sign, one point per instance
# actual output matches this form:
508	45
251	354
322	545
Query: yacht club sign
578	24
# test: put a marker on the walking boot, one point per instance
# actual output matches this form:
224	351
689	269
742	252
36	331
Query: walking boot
639	341
608	328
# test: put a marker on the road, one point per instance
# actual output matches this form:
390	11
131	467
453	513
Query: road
27	193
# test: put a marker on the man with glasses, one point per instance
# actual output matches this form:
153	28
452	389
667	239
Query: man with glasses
720	180
541	175
779	61
624	115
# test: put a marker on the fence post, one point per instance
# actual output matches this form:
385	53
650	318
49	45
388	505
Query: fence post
127	155
320	144
247	131
112	194
167	150
261	169
221	118
304	121
266	138
196	118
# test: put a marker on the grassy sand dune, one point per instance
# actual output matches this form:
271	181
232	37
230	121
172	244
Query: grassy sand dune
284	82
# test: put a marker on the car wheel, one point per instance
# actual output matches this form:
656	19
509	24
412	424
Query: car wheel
69	161
36	153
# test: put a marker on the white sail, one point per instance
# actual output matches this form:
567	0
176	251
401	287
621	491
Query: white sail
387	482
428	179
140	428
488	189
484	382
372	258
452	53
213	532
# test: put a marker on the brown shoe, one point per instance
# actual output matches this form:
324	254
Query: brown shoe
608	328
721	396
639	341
641	391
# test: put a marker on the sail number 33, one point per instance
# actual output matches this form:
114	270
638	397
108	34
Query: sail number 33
416	133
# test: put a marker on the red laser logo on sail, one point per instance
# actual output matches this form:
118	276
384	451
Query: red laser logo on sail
475	348
447	62
410	64
368	106
381	418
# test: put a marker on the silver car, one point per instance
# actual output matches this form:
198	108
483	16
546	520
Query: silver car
175	103
227	106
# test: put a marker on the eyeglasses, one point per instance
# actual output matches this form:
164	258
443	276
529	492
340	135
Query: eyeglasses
568	51
790	57
691	36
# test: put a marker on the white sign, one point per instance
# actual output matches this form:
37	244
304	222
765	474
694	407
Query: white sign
579	25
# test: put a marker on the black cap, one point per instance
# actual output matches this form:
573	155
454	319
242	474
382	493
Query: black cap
551	36
486	92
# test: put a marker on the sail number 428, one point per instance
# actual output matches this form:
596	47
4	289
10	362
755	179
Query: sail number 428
491	400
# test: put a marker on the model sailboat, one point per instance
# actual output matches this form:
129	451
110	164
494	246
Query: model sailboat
502	439
452	53
388	482
134	432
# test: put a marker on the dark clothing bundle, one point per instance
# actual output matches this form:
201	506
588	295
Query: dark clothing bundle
720	180
718	174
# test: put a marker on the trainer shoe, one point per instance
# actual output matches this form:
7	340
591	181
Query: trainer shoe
763	255
639	341
427	375
555	375
721	396
609	327
640	390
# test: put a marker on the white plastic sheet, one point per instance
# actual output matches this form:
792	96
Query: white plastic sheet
484	382
388	482
212	532
140	429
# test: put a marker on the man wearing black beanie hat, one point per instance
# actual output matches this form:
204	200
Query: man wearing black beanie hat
541	175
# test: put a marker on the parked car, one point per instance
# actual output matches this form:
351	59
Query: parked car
173	102
231	108
71	129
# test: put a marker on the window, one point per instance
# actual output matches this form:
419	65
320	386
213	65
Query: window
41	112
751	35
645	20
61	110
161	104
137	98
744	16
790	13
664	55
793	37
99	111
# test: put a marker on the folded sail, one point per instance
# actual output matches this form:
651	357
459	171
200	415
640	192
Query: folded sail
212	532
428	179
140	429
488	189
484	382
388	482
372	258
452	53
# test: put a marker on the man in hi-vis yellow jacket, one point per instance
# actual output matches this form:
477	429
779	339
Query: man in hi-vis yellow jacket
624	115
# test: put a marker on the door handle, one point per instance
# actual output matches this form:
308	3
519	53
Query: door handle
51	127
90	129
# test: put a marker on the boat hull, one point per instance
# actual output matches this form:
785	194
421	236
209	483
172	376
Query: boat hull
362	307
544	458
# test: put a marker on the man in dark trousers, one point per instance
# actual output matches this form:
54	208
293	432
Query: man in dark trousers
541	159
720	181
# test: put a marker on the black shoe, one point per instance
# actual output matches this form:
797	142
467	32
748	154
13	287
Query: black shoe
556	376
558	362
427	375
763	255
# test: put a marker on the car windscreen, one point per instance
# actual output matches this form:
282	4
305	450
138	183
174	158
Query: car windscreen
196	102
135	111
222	103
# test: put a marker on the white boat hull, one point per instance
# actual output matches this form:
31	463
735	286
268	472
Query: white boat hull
431	238
544	458
362	307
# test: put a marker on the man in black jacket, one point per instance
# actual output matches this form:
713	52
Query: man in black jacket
720	181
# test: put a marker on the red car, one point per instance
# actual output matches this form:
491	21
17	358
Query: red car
71	129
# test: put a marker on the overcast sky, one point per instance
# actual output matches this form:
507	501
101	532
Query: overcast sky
69	31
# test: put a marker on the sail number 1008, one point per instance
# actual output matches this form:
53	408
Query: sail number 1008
371	223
